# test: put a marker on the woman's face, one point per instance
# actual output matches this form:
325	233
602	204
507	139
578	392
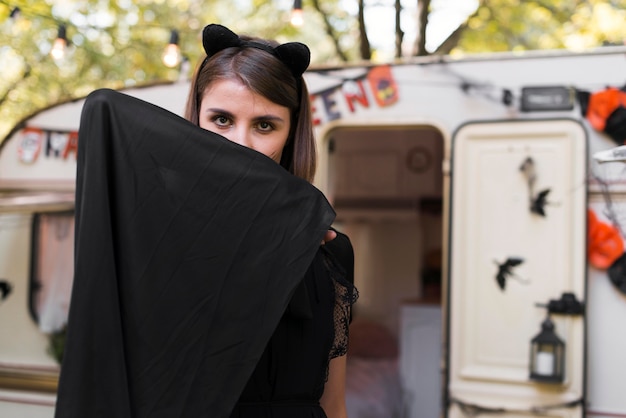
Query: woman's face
232	110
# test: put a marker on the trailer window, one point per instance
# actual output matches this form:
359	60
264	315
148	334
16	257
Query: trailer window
52	269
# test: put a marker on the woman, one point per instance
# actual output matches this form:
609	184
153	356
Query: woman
252	92
200	285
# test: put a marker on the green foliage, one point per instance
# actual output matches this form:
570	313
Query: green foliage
517	25
119	43
115	44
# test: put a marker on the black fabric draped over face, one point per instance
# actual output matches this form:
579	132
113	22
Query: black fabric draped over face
188	249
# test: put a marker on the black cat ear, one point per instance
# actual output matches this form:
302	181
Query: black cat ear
217	37
294	55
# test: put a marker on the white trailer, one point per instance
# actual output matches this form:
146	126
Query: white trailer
435	167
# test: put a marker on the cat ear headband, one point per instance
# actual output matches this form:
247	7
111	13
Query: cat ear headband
295	55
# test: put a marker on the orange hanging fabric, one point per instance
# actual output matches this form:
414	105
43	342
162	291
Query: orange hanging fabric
606	112
605	244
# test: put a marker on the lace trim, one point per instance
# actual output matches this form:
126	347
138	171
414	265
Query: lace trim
346	295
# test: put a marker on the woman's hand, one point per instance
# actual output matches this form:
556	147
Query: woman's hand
330	235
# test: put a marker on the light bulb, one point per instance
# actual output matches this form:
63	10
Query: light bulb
297	17
171	55
60	44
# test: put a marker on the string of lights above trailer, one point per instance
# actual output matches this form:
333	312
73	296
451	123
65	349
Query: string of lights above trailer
172	55
529	99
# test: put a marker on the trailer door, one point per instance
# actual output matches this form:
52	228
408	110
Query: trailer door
517	258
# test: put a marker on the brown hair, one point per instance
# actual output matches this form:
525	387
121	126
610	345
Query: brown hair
266	75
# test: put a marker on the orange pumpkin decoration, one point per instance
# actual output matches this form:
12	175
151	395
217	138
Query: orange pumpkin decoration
605	244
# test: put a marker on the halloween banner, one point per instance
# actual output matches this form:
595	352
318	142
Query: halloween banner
35	143
377	85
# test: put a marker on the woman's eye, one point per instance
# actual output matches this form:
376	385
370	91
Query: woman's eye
221	120
265	126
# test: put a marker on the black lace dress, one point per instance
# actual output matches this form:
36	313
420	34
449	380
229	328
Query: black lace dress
290	376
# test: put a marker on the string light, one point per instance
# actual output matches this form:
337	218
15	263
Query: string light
60	44
172	56
297	15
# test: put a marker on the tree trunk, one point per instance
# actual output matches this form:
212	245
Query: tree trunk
364	43
399	32
423	8
451	41
329	31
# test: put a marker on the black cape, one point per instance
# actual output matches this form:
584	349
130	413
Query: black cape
188	250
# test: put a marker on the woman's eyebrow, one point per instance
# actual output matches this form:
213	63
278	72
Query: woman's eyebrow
271	118
218	110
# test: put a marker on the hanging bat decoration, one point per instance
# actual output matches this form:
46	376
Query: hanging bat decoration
505	271
537	201
5	289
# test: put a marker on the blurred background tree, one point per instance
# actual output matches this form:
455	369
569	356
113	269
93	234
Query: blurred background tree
119	43
520	25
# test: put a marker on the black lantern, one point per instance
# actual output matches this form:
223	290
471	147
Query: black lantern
547	355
